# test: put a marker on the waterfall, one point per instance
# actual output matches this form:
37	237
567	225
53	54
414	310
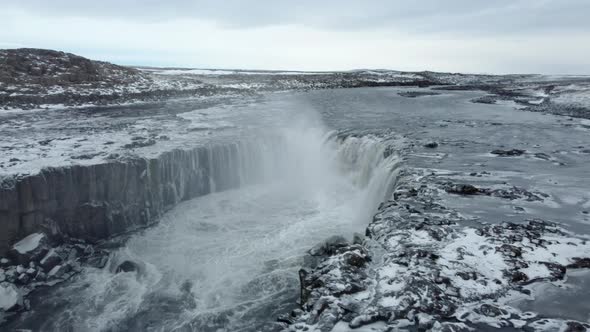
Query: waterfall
227	259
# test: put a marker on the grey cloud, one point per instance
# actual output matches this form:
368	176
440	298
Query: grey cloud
426	16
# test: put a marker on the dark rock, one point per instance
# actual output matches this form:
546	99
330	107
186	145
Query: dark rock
490	310
462	189
287	319
580	263
41	276
355	259
11	275
576	327
50	260
414	94
23	279
140	144
127	266
508	153
431	145
557	270
490	99
542	155
329	247
30	248
98	261
59	271
4	262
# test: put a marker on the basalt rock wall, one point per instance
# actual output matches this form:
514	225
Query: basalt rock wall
94	202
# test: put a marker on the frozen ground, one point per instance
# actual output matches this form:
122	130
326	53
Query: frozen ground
487	227
490	209
43	79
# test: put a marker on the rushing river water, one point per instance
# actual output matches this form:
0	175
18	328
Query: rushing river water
228	261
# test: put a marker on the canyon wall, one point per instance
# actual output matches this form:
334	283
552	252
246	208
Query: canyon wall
97	201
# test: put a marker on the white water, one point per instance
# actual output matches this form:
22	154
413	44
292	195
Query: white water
228	261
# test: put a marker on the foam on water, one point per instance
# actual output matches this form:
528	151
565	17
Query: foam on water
228	261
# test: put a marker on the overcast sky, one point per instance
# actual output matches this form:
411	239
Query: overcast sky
481	36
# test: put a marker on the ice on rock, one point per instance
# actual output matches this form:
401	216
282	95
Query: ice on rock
29	243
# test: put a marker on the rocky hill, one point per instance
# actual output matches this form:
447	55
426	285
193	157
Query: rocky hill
38	67
36	78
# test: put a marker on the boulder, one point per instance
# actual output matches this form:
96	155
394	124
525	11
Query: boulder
50	260
9	297
4	262
23	279
32	247
41	276
127	266
431	145
58	271
508	153
10	274
462	189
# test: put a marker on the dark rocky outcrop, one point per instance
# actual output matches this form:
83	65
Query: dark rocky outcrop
429	274
508	153
48	67
97	201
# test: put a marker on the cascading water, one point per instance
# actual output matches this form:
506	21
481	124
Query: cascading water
228	261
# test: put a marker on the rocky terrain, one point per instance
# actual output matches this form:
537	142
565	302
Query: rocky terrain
490	202
417	268
35	78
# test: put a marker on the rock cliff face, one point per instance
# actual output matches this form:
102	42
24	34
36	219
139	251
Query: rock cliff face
96	201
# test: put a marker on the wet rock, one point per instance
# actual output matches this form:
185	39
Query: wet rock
11	274
541	155
10	297
557	271
508	153
127	266
491	310
23	279
140	144
31	271
59	271
50	260
4	262
329	247
580	263
462	189
576	327
32	247
98	261
489	99
20	269
41	276
414	94
431	145
430	271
